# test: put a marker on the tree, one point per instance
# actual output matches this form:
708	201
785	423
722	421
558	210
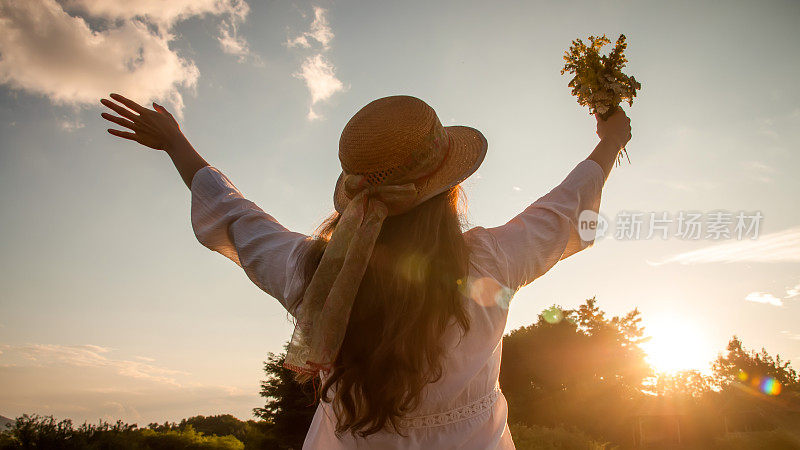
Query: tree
574	367
289	405
756	390
684	384
741	366
251	433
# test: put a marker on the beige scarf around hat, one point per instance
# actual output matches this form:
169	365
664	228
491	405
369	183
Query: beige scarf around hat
395	154
326	305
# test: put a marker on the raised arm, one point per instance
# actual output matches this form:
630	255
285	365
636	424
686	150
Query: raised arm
548	230
226	222
223	220
614	133
157	129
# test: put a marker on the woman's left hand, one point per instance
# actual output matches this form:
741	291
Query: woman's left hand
156	128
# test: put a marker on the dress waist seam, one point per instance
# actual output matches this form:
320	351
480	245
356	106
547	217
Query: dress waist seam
465	412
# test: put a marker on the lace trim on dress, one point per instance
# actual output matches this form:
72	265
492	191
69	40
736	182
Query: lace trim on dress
454	415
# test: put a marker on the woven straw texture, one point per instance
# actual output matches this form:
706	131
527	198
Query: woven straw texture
399	139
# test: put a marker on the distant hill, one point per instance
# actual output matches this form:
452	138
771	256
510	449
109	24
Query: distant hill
5	423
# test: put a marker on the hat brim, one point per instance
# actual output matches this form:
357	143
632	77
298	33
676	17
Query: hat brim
468	148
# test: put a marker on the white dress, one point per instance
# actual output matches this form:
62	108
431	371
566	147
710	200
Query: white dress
465	409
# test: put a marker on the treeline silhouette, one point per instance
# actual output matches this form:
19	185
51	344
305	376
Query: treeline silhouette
214	433
580	369
573	379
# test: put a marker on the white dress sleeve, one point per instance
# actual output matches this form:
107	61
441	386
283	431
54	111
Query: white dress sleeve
545	232
226	222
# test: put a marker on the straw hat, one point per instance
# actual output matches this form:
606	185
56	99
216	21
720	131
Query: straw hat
395	154
399	139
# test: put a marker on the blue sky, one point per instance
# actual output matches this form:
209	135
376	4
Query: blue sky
112	309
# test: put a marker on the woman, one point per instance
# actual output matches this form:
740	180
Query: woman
399	311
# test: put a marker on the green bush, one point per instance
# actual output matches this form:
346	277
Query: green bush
538	437
188	439
48	433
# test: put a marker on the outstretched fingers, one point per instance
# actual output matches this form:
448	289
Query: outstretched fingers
118	120
161	109
124	134
119	109
129	103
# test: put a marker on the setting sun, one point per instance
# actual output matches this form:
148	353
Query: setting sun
677	345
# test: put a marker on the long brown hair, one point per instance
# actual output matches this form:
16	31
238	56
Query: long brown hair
409	295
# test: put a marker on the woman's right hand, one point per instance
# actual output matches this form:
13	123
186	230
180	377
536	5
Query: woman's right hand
154	128
615	129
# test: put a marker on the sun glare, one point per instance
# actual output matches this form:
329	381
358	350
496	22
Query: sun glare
677	345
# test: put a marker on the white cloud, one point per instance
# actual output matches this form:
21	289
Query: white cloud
231	42
764	297
770	299
318	74
160	12
789	335
782	246
165	14
71	125
46	51
316	70
81	51
87	382
319	31
793	292
90	356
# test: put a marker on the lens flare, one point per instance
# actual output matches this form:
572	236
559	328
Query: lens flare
742	375
414	267
770	386
486	292
766	385
553	315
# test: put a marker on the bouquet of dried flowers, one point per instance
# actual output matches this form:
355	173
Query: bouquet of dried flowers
599	82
